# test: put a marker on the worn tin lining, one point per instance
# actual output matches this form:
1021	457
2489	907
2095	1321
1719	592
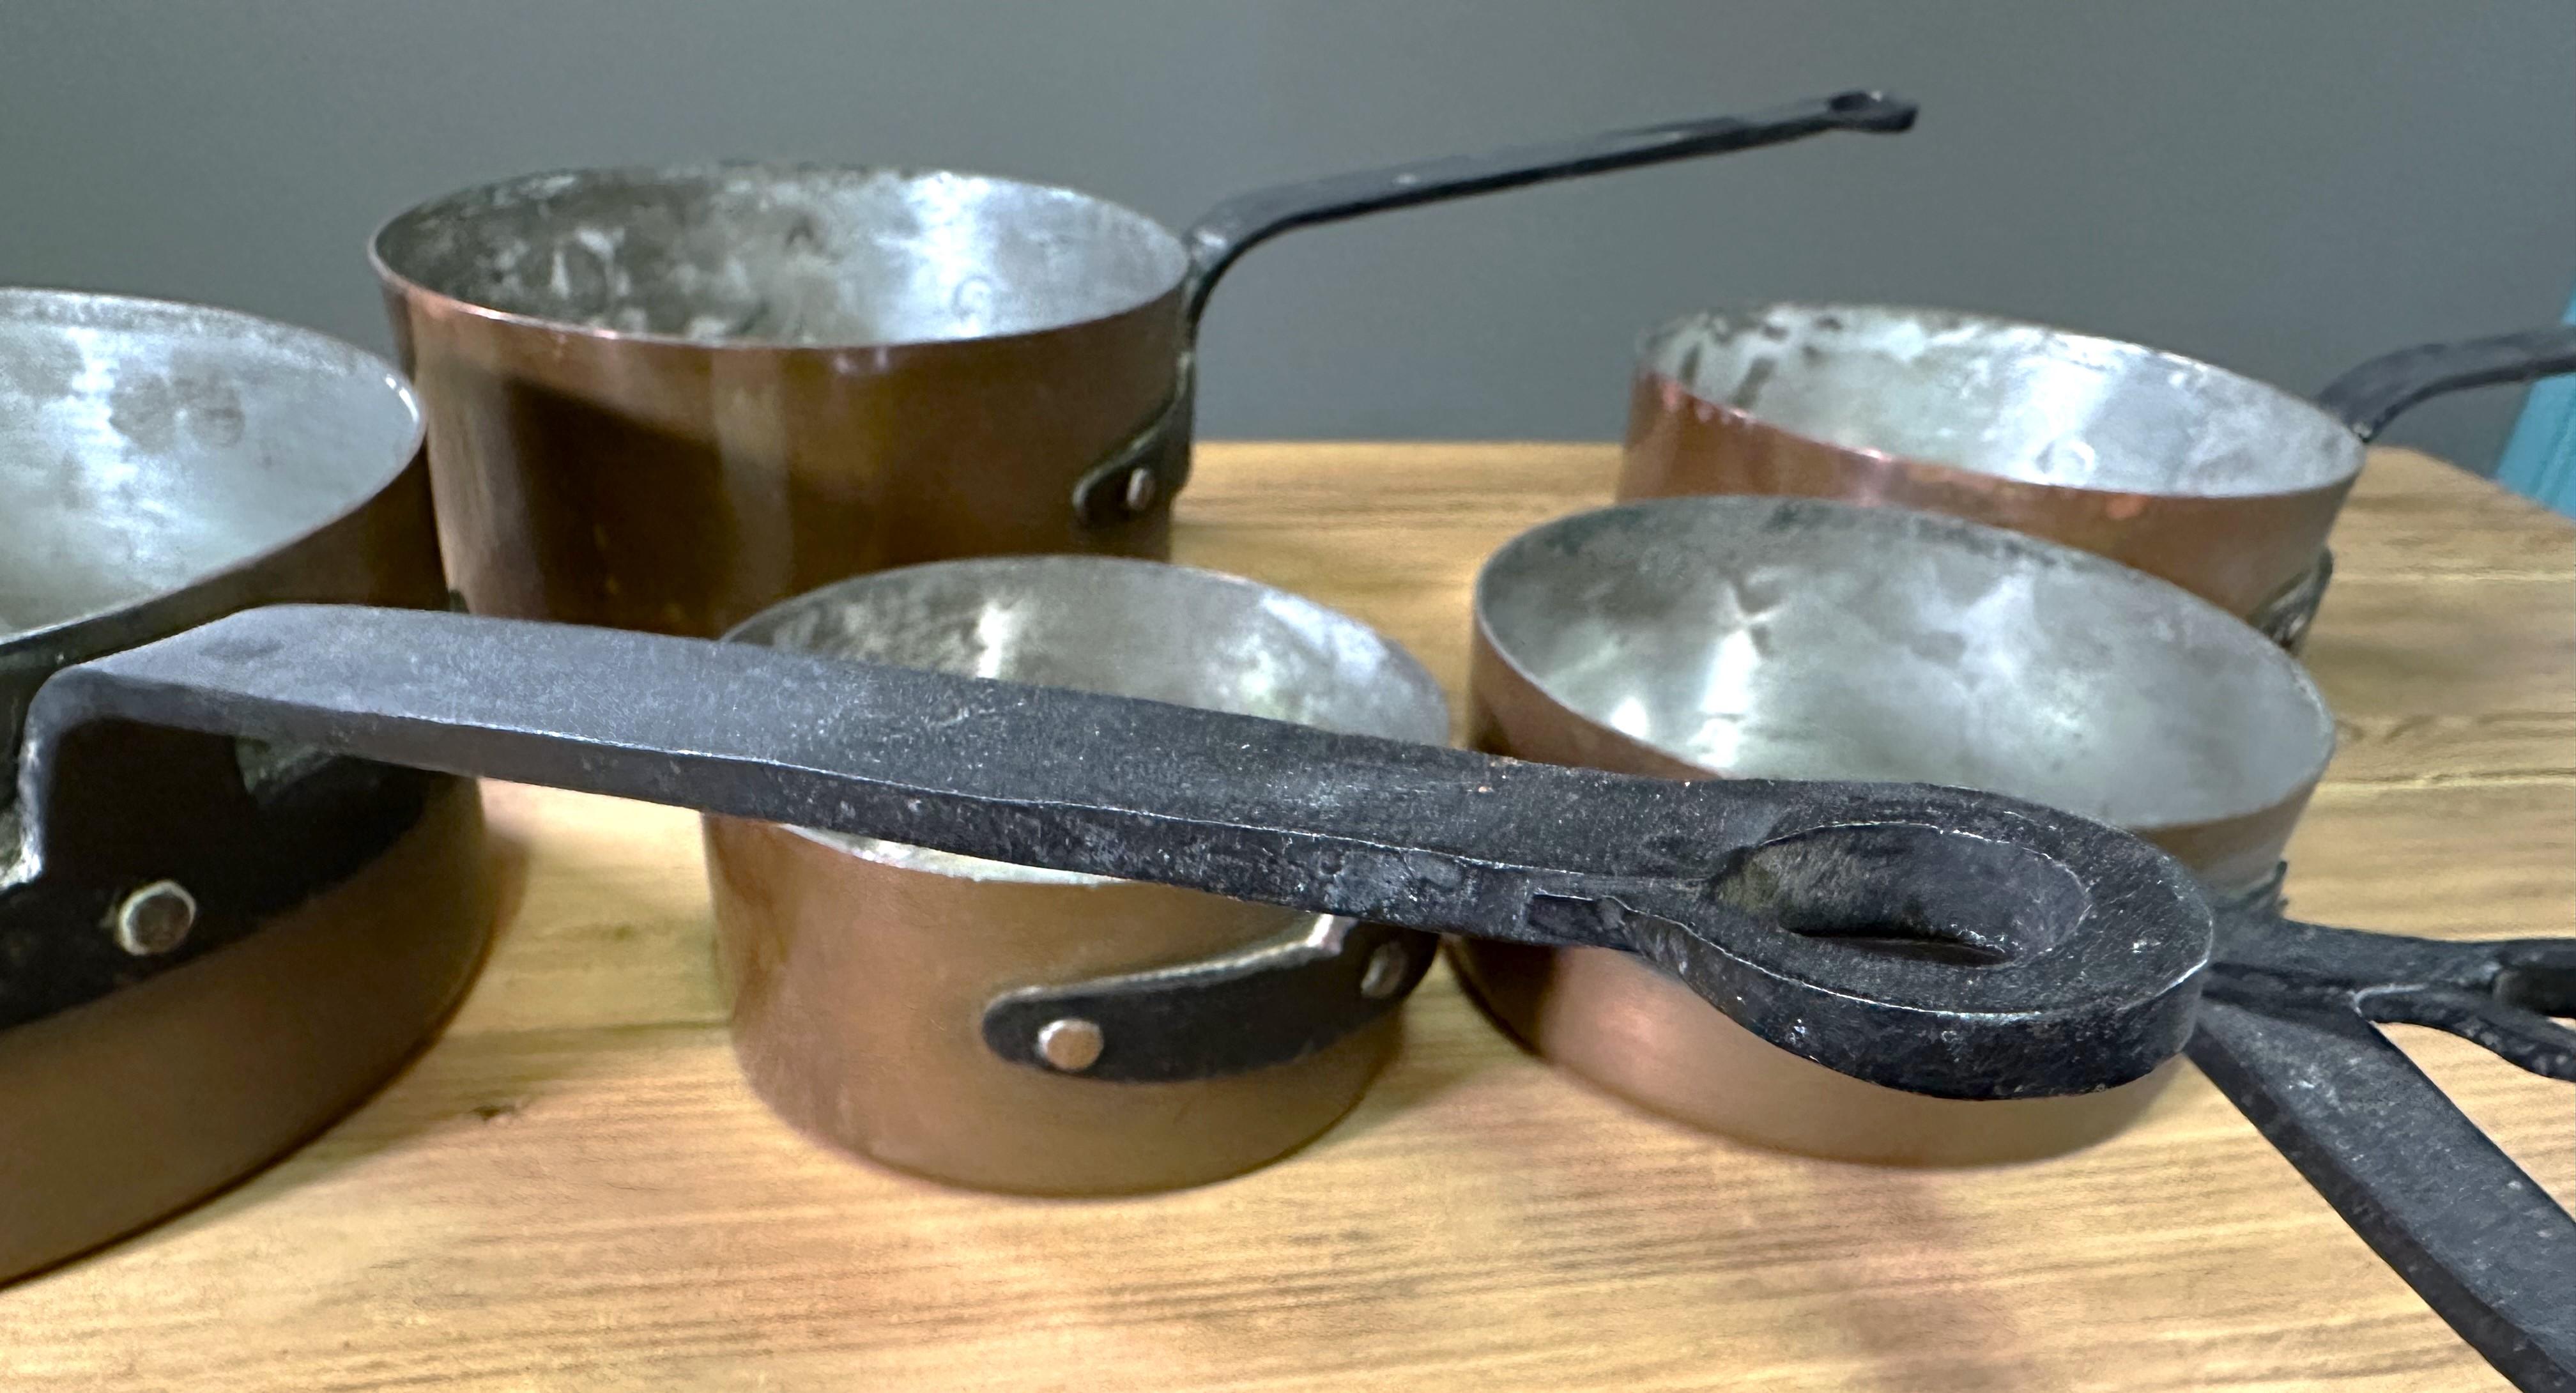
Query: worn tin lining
785	254
1797	638
2021	401
148	447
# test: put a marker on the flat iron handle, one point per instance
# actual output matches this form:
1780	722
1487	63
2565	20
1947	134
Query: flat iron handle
1775	900
2377	392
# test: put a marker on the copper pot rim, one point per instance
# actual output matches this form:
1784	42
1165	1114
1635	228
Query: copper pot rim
362	491
1647	342
444	302
2269	655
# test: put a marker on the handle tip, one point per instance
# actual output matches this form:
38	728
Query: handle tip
1873	111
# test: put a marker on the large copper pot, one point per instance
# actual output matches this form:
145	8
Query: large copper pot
665	398
882	994
1788	638
2221	484
292	927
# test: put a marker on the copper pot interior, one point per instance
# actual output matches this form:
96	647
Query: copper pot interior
1792	638
776	254
1797	638
859	969
146	447
2013	400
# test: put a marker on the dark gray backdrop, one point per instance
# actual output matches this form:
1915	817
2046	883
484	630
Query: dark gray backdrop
2284	188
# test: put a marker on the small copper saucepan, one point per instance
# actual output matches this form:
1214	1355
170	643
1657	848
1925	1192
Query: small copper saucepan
1793	638
665	398
1044	1031
2221	484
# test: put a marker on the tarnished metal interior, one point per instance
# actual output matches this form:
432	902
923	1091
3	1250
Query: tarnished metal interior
1796	638
147	447
2019	401
799	255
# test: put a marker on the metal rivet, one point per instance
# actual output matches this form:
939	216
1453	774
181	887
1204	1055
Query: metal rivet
1141	488
1071	1044
1385	970
155	919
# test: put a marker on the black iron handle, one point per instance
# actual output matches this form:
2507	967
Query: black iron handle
1931	939
2501	995
1246	220
2379	391
2287	1031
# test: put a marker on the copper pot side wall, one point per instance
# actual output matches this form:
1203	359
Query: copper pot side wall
679	488
2235	552
152	1097
857	994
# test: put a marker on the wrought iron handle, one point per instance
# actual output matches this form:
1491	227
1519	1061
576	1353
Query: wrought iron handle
1931	939
1244	221
2287	1032
2377	392
1149	469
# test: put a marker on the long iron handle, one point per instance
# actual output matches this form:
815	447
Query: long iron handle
1244	221
1150	467
2288	1030
1830	918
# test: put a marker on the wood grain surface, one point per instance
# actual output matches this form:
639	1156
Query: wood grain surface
573	1190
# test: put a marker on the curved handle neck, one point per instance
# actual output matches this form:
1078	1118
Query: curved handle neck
2379	391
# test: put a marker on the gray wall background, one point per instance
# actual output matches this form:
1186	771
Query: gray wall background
2282	188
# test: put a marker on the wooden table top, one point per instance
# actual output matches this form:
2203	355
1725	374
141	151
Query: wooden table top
573	1189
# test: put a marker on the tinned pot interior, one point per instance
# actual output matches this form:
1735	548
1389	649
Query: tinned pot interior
1995	396
797	255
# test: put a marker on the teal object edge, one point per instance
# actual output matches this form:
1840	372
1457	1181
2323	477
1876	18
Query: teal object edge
2539	460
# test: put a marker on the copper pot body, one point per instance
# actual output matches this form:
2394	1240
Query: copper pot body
1643	579
620	437
857	986
149	1099
2220	484
167	464
859	971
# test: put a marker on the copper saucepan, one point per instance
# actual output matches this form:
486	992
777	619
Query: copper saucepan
1793	638
666	398
866	975
161	465
2221	484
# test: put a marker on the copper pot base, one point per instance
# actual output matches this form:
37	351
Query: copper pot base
153	1097
857	988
